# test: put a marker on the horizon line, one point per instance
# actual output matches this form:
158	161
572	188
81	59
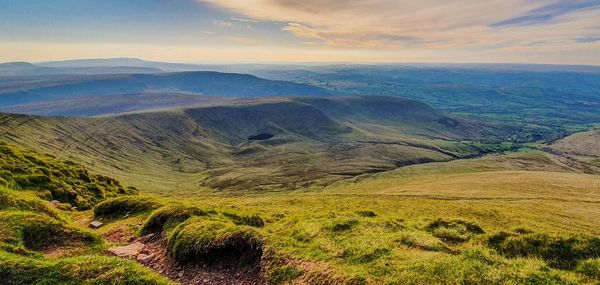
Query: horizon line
314	63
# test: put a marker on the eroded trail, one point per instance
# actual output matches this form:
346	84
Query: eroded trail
228	270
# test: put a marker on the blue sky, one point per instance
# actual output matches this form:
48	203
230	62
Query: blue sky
527	31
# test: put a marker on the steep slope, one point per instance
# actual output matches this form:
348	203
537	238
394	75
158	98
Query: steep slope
405	115
237	123
54	179
276	143
202	83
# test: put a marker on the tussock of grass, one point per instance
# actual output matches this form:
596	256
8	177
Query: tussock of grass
343	225
56	179
454	231
87	270
253	220
36	232
558	251
118	207
367	214
369	255
589	267
201	239
167	217
13	200
422	241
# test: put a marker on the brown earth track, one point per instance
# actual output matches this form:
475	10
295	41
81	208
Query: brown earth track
232	271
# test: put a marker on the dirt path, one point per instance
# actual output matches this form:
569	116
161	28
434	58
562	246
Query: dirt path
222	272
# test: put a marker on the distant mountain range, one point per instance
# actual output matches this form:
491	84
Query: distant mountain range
28	69
17	94
547	101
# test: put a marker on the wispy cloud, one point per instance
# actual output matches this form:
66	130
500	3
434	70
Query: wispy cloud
244	20
431	24
588	39
549	12
223	24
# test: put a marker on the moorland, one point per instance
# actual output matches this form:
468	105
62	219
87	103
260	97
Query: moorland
342	174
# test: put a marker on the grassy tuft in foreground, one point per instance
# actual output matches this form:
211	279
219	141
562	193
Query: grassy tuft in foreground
121	206
55	179
198	238
168	217
96	270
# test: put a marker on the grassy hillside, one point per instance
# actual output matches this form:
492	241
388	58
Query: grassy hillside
526	217
53	179
583	147
516	225
531	175
405	115
39	242
585	143
309	143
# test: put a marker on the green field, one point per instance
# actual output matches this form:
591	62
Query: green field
515	218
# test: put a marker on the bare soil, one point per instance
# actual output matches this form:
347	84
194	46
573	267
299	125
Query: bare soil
226	271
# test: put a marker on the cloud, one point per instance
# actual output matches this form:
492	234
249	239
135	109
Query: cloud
244	20
223	24
588	40
549	12
432	24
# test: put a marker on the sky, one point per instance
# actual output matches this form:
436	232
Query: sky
283	31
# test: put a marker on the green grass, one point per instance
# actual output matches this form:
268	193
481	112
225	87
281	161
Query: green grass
328	239
55	179
454	231
40	243
25	201
167	217
31	231
96	270
517	218
202	239
558	251
589	267
121	206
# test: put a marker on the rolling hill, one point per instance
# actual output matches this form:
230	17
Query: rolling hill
584	143
20	91
298	189
582	147
541	102
90	106
271	143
